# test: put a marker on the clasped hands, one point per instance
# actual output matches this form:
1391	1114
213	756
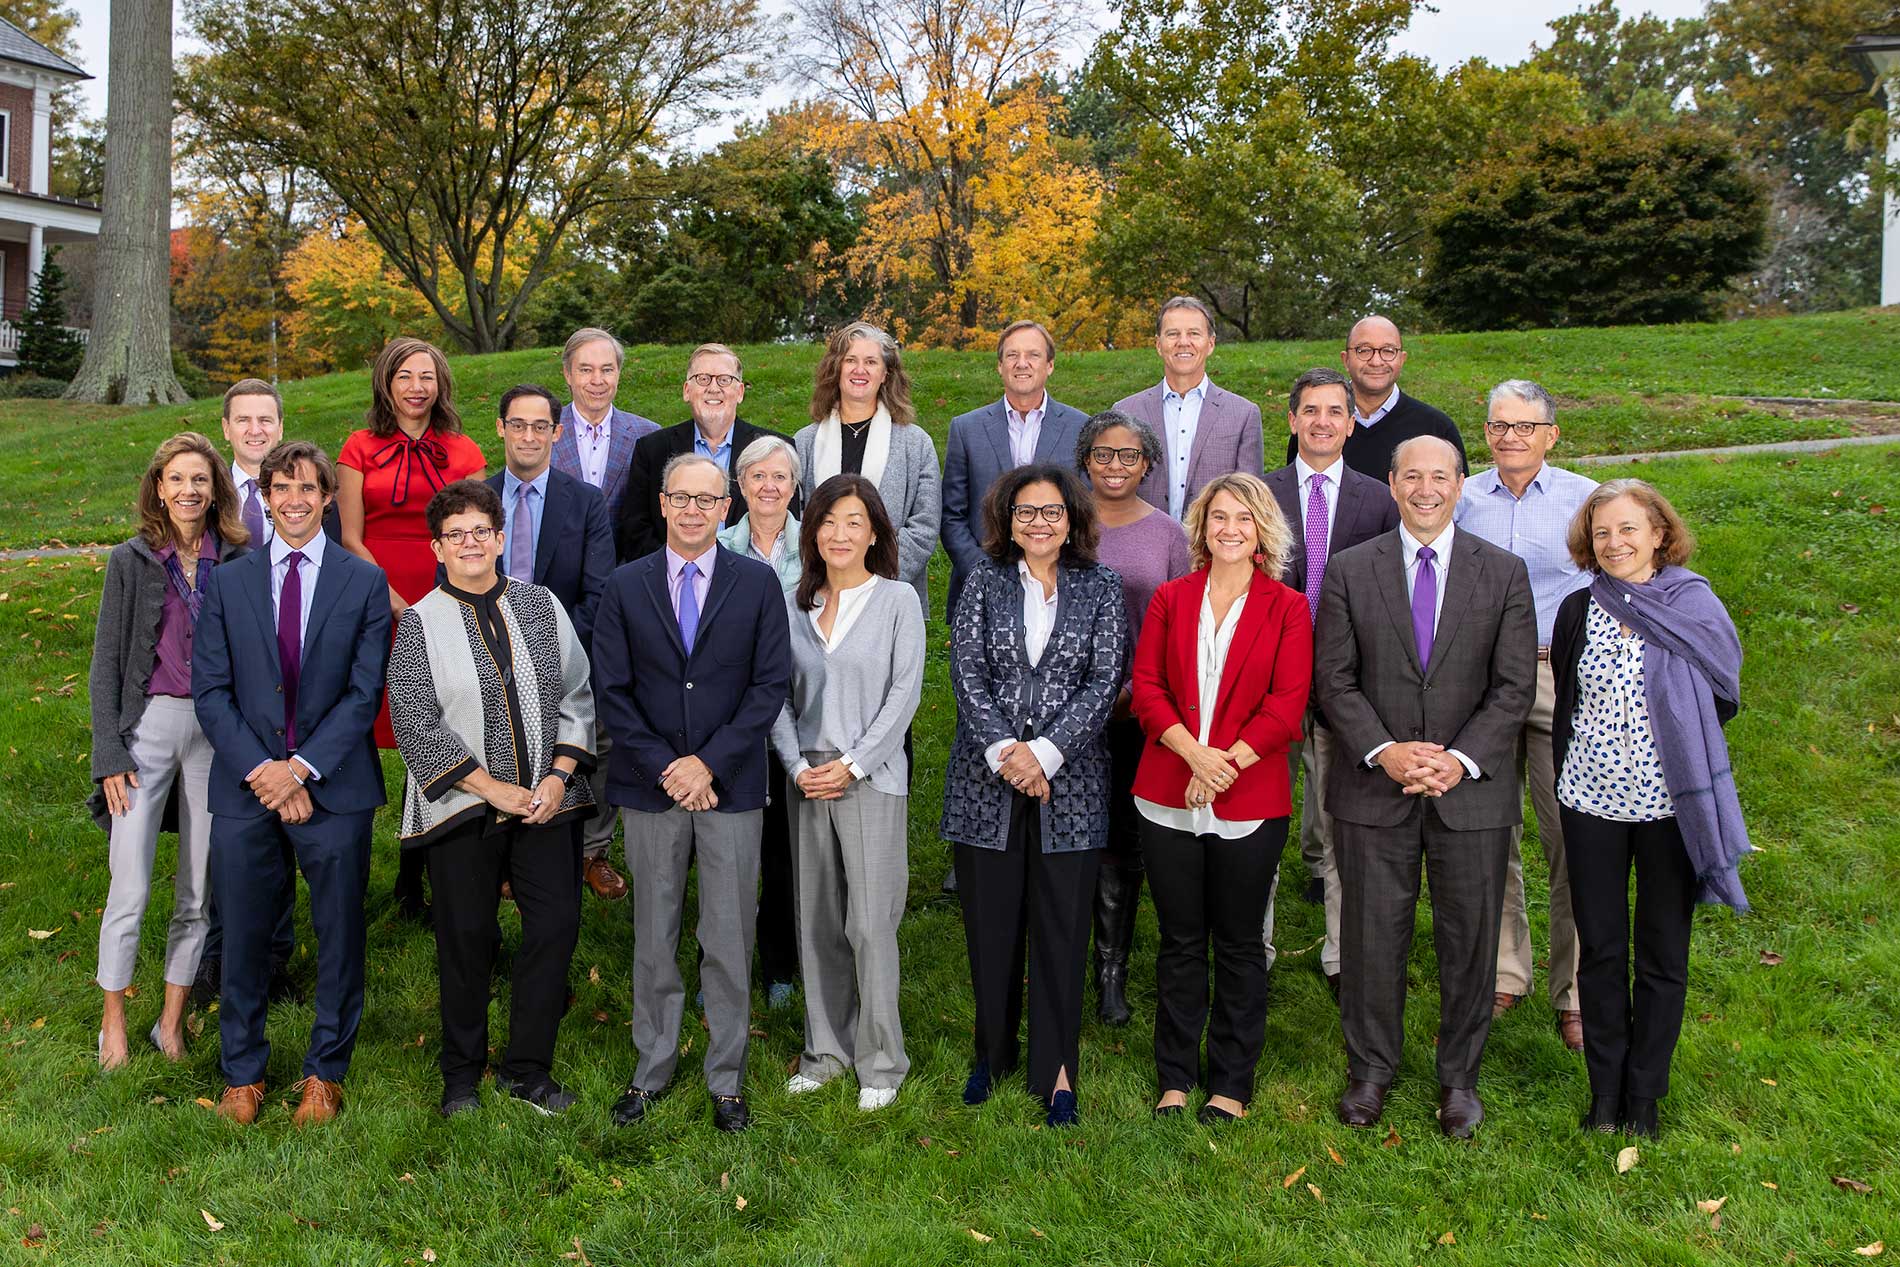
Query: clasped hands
1422	769
1213	770
277	788
1022	771
825	782
689	781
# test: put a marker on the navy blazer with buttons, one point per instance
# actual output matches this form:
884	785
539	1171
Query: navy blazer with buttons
718	704
237	683
574	554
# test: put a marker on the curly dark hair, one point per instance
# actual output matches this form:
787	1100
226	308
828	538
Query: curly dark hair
998	542
464	495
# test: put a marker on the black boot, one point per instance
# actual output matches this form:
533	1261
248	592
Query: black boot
1117	893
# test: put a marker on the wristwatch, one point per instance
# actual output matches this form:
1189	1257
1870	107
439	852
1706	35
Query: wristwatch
565	776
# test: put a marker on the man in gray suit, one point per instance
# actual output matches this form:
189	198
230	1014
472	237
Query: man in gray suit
1025	426
1425	666
1204	430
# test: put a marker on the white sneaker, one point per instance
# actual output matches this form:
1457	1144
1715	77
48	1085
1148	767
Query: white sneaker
799	1084
870	1099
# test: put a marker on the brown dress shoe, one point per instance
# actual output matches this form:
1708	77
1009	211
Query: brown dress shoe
240	1104
1459	1111
1502	1003
1570	1026
608	884
507	891
320	1101
1362	1105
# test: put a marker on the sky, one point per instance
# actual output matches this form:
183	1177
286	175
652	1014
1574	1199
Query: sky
1500	31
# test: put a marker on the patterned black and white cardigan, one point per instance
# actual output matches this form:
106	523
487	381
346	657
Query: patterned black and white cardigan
449	705
1067	696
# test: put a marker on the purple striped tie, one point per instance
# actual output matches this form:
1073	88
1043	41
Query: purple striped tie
1425	605
290	642
253	514
1315	543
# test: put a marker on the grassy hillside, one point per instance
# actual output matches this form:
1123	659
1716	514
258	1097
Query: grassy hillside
1622	390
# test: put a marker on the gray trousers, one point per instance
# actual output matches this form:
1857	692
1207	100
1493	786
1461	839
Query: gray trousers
1516	952
851	874
168	747
597	829
660	849
1316	838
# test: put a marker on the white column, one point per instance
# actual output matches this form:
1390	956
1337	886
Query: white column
35	256
1890	237
41	175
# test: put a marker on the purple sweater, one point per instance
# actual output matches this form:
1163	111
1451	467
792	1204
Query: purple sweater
1145	553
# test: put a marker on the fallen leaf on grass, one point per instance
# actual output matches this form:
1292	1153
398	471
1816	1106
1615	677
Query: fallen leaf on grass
738	1203
157	1099
428	1255
1769	958
1852	609
210	1221
1392	1138
1715	1222
1872	1251
615	1181
1448	1239
1293	1178
601	1017
1851	1185
204	1102
1317	1194
1037	1233
34	1235
1627	1159
1334	1154
1541	1218
1769	1082
41	934
593	975
1771	1185
39	1022
1710	1207
405	1177
725	1180
978	1237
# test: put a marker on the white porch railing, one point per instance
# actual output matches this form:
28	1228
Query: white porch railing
10	339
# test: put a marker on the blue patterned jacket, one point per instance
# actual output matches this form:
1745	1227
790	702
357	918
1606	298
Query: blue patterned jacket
1067	697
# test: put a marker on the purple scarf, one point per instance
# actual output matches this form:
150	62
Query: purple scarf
1691	658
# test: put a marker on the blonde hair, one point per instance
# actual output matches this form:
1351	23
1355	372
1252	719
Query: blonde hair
222	517
893	393
1275	538
586	335
715	349
1678	543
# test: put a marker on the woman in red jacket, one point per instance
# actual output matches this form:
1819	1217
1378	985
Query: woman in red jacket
1220	682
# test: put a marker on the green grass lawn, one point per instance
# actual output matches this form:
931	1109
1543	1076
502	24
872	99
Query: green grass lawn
1786	1077
1622	390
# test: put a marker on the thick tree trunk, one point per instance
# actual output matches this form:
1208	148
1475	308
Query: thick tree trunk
129	354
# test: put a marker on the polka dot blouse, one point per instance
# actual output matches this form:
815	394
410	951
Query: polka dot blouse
1611	770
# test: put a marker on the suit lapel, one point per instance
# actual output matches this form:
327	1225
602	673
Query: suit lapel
1211	405
619	453
551	512
996	427
1149	408
1050	436
257	585
1390	568
724	578
1461	587
567	452
663	601
330	582
1344	509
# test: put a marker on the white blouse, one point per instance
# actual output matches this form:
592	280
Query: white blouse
1213	641
850	607
1611	770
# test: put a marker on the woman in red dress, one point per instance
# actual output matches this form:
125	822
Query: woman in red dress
386	474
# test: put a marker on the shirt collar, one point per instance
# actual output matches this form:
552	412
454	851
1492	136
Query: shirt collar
1537	482
239	478
1305	472
1040	412
509	482
1199	390
312	549
1441	548
700	443
604	424
675	564
1028	578
1384	408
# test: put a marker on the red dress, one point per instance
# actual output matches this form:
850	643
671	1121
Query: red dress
400	475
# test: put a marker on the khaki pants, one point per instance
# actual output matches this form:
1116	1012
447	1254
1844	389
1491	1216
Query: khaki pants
1516	953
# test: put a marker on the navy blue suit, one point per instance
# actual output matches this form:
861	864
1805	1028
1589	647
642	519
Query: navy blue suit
718	704
574	553
238	691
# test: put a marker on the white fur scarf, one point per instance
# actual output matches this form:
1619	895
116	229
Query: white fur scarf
827	450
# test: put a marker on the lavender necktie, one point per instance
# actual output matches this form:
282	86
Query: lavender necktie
689	606
1315	543
253	514
1424	605
521	540
290	642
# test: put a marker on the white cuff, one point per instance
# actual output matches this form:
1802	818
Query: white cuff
1048	755
797	768
314	774
1471	767
851	764
1372	758
994	754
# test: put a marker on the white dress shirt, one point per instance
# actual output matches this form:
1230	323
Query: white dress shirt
280	551
1039	621
1180	420
593	441
1025	430
1329	490
1409	546
1214	639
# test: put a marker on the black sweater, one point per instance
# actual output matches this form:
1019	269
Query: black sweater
1369	449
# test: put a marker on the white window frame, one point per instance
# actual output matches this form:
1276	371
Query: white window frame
6	147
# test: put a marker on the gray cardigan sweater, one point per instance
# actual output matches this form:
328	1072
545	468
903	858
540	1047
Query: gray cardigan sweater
912	489
125	649
858	698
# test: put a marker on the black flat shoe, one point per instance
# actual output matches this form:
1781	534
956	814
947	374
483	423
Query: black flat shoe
1170	1110
460	1102
1062	1110
730	1113
976	1089
1213	1115
632	1106
544	1095
1605	1115
1639	1117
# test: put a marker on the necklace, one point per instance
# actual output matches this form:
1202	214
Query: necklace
856	428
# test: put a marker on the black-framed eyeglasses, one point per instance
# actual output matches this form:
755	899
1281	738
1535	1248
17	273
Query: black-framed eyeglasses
1524	430
479	535
1052	513
1367	352
714	380
516	426
1102	455
705	501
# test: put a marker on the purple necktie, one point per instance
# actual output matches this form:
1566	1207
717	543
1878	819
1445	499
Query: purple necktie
521	540
1315	543
689	606
1424	606
253	514
290	642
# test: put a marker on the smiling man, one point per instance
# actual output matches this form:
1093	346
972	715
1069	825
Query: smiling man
1205	431
1385	417
1425	663
253	424
1525	505
595	443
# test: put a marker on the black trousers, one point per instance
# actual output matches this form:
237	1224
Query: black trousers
1211	892
1021	902
1379	869
1629	1034
1126	742
778	926
543	863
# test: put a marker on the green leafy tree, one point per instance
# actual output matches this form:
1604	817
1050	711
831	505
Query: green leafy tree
47	348
1640	67
1607	224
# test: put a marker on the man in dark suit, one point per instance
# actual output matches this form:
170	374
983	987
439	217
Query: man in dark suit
1425	666
287	671
692	662
597	437
1205	431
1331	508
1374	356
1025	426
567	546
714	390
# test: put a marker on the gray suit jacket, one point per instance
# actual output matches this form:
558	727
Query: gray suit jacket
977	454
1474	695
1227	439
912	493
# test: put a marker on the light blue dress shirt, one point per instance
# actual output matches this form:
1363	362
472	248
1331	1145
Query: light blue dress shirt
1181	419
676	567
1534	527
537	506
722	455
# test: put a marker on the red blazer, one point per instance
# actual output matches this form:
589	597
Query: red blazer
1262	697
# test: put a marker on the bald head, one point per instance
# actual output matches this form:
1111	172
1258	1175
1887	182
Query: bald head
1445	452
1373	357
1427	477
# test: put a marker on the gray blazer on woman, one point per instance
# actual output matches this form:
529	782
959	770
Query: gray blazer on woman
912	490
1066	696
